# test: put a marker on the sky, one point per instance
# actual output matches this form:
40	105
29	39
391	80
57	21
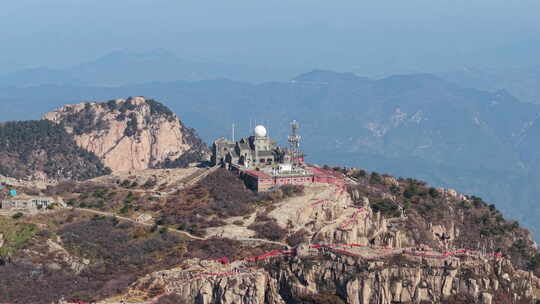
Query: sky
362	36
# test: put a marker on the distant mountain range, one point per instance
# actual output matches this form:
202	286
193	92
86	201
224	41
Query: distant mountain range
522	82
480	142
127	67
124	67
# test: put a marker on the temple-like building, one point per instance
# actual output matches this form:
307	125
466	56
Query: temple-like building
254	151
263	164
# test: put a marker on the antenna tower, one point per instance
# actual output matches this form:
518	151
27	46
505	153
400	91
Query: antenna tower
294	142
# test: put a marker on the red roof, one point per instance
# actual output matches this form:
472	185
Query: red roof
323	172
258	174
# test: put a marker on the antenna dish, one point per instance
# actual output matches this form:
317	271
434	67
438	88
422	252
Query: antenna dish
260	131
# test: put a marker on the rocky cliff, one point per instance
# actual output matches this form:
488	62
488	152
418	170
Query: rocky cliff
377	240
131	134
368	238
336	277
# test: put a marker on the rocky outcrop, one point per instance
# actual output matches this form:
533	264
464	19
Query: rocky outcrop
348	269
61	254
325	274
368	240
131	134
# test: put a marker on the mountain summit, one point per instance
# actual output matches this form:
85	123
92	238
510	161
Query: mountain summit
130	134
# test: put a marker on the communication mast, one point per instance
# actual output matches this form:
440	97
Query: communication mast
294	142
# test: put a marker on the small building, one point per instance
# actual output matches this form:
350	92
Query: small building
26	203
258	180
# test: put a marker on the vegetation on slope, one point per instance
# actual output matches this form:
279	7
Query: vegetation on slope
28	147
118	253
215	198
480	226
16	234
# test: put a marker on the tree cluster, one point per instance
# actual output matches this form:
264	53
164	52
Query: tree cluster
30	146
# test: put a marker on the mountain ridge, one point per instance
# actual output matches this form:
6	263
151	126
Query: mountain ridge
125	67
375	237
478	141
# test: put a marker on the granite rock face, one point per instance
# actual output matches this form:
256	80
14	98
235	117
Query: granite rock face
394	270
362	243
129	134
357	281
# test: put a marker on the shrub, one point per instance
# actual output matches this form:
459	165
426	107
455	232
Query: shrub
322	298
386	207
274	196
395	190
292	190
376	179
410	191
433	192
17	215
359	174
150	183
269	230
171	299
297	238
477	202
215	248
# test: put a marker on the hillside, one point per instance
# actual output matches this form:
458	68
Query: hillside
480	142
42	150
131	134
374	238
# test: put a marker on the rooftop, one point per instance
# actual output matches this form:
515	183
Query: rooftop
323	172
258	174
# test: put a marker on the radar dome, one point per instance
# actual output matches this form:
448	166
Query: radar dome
260	131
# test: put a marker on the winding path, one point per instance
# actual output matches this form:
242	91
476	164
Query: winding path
138	223
263	241
191	182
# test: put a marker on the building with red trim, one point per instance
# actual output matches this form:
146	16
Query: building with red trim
263	165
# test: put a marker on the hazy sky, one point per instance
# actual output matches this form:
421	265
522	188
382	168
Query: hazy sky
344	35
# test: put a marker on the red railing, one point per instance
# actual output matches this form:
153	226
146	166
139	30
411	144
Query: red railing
345	225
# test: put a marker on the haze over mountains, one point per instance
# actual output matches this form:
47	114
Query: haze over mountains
523	82
125	67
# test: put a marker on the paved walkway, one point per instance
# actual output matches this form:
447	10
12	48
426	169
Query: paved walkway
263	241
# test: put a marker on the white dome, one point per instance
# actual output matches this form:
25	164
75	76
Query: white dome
260	131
